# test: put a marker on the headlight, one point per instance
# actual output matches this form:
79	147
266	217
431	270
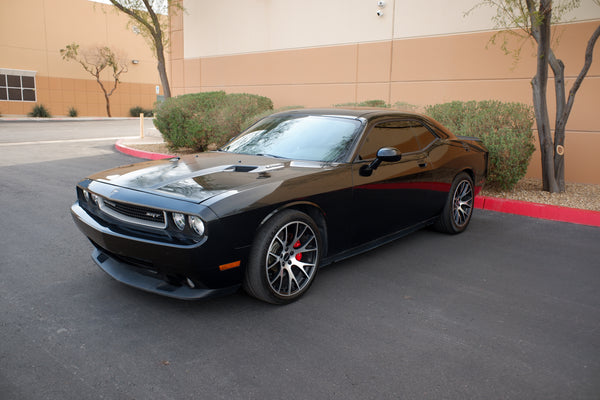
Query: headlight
179	220
196	224
86	196
94	198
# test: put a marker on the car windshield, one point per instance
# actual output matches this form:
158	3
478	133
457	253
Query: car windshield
298	137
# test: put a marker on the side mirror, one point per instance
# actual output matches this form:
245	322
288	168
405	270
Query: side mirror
387	154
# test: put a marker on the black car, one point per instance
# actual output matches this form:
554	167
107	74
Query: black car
296	191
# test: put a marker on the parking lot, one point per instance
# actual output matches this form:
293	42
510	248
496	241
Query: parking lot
510	309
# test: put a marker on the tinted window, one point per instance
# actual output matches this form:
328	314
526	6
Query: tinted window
299	137
405	135
14	81
17	85
14	94
424	135
28	82
28	94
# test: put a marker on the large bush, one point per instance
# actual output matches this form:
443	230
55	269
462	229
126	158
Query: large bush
504	128
202	119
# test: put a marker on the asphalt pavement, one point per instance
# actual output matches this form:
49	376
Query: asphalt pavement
510	309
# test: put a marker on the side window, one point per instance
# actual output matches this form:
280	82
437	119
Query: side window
424	135
405	135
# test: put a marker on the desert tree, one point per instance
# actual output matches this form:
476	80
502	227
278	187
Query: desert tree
95	60
526	20
152	20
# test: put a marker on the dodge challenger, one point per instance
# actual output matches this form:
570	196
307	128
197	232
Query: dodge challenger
295	191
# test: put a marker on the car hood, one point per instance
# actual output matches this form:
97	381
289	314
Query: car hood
199	177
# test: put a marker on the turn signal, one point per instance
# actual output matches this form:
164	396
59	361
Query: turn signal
225	267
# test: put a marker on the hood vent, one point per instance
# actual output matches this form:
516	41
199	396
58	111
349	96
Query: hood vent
241	168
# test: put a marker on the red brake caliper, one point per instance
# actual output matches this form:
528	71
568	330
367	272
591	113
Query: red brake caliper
299	255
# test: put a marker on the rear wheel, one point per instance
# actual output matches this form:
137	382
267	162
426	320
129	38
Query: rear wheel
284	258
459	206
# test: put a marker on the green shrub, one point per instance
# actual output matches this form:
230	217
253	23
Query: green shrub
137	110
404	106
39	111
366	103
504	128
73	112
256	117
200	119
399	105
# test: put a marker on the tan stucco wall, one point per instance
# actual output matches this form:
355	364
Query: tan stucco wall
32	32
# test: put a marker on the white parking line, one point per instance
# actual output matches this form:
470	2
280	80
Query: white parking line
67	141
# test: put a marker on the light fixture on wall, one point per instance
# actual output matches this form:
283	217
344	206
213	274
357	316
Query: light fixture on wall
135	61
380	4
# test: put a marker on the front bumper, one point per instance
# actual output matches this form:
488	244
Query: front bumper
132	276
173	270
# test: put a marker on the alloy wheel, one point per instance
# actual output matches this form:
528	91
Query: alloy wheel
462	203
292	257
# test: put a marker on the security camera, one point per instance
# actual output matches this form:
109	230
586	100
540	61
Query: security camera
379	13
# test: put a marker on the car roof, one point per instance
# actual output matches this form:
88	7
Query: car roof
368	114
358	112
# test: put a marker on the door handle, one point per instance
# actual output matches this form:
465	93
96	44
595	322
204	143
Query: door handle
422	164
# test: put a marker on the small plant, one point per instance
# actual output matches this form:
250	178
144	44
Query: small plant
504	128
73	112
137	110
39	111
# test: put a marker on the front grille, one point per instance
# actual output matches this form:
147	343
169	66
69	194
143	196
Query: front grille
134	213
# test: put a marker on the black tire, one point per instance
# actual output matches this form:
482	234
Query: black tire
284	258
458	210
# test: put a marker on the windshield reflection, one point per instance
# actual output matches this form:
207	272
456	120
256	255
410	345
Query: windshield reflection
298	137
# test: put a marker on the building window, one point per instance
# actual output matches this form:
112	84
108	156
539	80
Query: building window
17	85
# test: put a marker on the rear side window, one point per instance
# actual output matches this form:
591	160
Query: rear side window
408	136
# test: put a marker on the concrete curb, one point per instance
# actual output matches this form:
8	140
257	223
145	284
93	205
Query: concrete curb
536	210
140	153
527	209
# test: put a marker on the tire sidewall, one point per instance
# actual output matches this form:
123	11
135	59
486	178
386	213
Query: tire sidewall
255	278
462	177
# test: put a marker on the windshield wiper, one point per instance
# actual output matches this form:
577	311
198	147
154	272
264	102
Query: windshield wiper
268	155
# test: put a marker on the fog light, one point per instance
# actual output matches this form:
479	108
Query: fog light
179	220
197	224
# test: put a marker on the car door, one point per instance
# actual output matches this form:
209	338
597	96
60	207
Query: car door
396	195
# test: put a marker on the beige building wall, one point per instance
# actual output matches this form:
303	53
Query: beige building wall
32	32
315	53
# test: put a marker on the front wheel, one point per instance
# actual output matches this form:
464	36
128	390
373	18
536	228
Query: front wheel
284	258
457	212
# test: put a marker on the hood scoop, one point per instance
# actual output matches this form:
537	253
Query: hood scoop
241	168
253	168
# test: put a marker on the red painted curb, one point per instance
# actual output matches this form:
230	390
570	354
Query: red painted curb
536	210
140	153
527	209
